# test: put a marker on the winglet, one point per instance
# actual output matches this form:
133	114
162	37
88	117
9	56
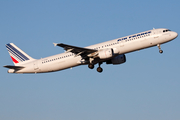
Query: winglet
55	44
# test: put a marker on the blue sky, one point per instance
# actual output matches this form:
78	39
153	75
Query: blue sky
145	87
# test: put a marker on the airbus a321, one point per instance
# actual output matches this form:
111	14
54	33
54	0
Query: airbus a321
110	52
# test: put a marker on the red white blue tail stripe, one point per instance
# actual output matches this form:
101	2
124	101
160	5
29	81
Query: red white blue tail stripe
17	55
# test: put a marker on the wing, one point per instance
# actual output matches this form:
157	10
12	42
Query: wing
77	50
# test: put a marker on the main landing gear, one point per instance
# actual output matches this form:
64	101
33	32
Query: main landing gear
160	51
99	69
91	66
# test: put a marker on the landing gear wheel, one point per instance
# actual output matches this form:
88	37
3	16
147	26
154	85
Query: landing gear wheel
160	51
91	66
99	69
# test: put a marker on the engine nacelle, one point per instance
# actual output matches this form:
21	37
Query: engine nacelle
105	54
117	60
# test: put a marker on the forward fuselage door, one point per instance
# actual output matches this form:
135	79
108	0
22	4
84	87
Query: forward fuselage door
156	35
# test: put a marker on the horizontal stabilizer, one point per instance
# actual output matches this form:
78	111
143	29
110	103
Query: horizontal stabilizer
13	67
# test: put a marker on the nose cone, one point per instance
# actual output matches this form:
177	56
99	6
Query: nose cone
174	35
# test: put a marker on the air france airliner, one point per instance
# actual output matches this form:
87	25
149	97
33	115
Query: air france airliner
110	52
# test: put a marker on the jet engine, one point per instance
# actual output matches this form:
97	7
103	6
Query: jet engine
117	60
106	53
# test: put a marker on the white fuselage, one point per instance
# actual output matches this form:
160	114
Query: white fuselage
120	46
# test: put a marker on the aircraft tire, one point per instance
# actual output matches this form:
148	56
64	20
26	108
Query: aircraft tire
160	51
91	66
99	69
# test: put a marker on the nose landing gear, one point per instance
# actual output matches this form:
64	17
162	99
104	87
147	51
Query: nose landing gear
160	51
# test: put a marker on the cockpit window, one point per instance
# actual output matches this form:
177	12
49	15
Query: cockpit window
166	30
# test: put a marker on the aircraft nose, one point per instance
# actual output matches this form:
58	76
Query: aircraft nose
175	34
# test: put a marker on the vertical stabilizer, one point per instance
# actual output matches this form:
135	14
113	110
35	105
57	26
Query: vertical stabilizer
16	54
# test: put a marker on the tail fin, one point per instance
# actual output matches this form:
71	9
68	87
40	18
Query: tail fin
17	55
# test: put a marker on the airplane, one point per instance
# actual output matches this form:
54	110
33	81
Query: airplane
110	52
